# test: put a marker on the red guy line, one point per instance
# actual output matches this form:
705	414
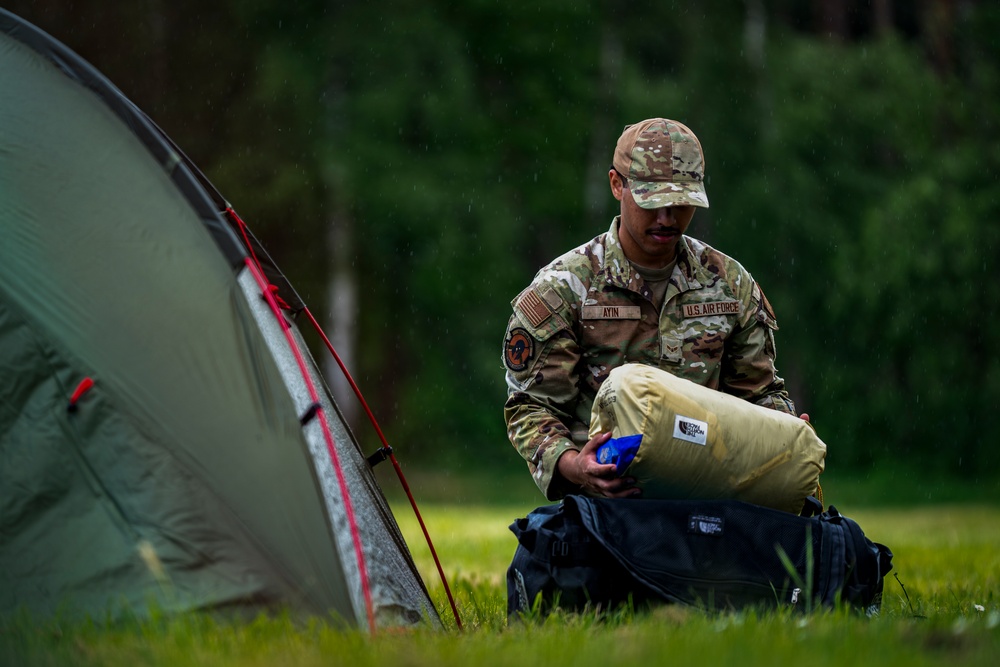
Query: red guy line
395	464
327	435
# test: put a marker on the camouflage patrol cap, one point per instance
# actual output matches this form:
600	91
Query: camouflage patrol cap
663	162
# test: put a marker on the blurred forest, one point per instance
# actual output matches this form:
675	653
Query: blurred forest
411	164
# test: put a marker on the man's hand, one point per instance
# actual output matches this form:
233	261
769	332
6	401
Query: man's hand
582	469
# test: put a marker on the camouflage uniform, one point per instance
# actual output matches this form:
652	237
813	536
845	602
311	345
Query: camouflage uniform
589	311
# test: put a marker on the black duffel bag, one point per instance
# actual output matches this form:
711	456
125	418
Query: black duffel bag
715	554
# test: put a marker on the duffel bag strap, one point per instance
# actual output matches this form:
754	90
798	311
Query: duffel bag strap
563	552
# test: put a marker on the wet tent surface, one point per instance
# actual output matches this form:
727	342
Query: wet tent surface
184	477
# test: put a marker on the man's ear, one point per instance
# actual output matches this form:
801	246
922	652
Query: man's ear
616	184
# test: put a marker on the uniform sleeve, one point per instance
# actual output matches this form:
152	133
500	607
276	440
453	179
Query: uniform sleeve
748	365
540	354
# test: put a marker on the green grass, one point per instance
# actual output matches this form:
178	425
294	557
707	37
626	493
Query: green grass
946	556
507	482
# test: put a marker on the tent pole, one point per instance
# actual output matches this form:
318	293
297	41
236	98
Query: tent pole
395	463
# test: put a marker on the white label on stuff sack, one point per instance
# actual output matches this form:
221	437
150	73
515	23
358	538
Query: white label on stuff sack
692	430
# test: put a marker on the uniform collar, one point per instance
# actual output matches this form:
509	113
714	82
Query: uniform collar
688	273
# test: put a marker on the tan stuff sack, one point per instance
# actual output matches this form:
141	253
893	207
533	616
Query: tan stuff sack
698	443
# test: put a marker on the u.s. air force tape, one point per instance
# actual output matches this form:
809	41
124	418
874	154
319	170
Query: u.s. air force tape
713	308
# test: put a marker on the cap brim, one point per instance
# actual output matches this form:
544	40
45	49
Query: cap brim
648	194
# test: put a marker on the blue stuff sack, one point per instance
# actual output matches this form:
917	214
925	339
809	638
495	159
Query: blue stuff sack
619	451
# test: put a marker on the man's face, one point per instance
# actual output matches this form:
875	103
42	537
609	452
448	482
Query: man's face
649	236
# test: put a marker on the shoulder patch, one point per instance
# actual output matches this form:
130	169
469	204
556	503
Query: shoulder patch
533	307
766	304
518	349
765	313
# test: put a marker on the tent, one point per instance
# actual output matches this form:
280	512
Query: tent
166	441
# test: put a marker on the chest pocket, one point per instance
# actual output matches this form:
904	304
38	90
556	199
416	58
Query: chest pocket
698	339
608	332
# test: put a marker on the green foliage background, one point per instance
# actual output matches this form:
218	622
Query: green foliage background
461	145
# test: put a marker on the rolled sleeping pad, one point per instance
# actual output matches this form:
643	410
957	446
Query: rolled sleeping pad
699	443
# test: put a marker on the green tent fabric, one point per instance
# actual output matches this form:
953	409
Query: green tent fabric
184	477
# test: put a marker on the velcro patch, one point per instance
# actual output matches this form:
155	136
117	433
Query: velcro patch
551	297
713	308
533	308
611	313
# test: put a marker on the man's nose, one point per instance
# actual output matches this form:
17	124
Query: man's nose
665	215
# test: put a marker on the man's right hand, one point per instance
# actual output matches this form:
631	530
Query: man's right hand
596	479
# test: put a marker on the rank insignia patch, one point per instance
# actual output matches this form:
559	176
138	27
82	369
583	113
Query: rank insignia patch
518	349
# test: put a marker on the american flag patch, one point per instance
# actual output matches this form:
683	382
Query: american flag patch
533	308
